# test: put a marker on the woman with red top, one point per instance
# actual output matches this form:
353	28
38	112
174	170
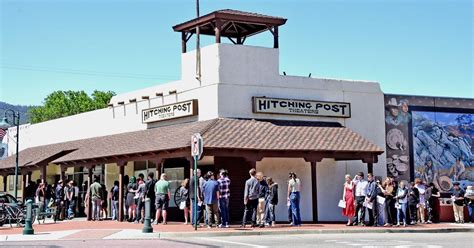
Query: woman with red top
348	196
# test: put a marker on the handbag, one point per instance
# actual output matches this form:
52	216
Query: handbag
342	204
182	205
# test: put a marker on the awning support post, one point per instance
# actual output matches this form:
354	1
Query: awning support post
370	168
121	166
89	202
314	191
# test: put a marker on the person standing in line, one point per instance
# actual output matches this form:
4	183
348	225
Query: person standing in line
251	198
59	198
48	196
432	194
104	203
469	196
131	190
294	189
224	196
184	196
114	198
402	199
192	196
413	201
96	196
71	198
40	197
163	195
150	193
140	195
371	200
457	196
360	193
65	208
272	200
388	192
211	198
348	196
422	202
262	193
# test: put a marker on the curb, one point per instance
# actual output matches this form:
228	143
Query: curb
164	235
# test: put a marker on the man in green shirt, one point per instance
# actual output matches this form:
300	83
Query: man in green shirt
162	191
95	194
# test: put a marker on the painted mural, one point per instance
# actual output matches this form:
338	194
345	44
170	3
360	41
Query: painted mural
397	117
443	148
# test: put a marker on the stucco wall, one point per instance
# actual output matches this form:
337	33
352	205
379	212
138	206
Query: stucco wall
278	169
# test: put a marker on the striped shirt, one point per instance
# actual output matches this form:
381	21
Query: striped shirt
224	191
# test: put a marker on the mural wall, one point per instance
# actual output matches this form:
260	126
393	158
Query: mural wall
430	138
443	147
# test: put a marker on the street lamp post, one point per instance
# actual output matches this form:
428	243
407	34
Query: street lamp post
5	125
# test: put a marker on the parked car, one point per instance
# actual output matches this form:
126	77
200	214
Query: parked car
9	199
15	212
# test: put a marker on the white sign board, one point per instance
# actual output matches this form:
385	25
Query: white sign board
196	145
266	105
170	111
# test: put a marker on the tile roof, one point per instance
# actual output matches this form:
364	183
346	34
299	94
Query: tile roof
221	133
278	135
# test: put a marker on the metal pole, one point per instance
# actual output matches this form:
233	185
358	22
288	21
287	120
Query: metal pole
147	228
17	117
195	205
198	48
28	230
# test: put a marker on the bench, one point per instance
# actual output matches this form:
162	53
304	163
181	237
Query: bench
43	215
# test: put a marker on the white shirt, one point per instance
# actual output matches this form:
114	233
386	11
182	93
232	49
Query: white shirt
361	186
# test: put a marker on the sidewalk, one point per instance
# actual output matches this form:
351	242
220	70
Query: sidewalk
80	229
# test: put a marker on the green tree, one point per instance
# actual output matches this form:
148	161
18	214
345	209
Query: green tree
65	103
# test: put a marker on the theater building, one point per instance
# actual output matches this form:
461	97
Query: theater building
249	115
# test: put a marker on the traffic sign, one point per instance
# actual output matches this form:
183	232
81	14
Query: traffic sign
196	145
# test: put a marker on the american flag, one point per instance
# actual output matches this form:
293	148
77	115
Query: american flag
3	132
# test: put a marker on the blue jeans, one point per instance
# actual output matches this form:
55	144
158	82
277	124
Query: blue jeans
271	213
402	213
295	208
224	209
70	210
115	209
470	209
199	213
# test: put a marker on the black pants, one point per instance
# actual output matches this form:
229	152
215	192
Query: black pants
251	207
412	212
388	210
140	206
59	208
430	210
373	214
360	210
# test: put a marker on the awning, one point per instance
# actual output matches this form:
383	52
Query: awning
219	134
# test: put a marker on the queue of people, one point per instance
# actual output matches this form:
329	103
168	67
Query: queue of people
62	197
401	203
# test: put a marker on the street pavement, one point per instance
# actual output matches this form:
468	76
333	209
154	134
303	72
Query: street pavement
363	240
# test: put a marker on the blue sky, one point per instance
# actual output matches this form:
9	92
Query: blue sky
411	47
